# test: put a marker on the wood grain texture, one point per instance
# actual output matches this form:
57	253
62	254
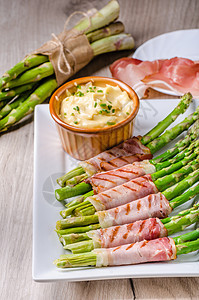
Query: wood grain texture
24	26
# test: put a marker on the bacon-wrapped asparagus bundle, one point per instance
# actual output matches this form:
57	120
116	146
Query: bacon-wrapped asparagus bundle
148	229
113	236
132	190
161	249
151	206
106	180
81	188
134	148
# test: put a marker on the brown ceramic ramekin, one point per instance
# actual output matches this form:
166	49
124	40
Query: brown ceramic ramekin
84	143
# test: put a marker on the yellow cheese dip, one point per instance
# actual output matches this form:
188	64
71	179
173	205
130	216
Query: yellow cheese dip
91	106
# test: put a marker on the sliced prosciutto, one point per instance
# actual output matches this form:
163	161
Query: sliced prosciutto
125	193
106	180
151	206
161	249
149	229
177	74
128	148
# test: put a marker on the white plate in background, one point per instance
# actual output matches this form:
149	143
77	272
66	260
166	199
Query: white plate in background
50	162
181	43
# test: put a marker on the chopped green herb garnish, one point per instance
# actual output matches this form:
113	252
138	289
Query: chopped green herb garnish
106	110
109	101
99	91
103	104
100	112
75	122
111	123
78	86
95	104
73	94
87	91
80	94
94	87
64	114
76	108
127	113
113	110
109	107
72	114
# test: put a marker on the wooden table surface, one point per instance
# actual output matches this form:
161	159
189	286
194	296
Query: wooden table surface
24	26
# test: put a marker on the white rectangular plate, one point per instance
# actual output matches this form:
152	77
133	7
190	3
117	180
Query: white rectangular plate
50	162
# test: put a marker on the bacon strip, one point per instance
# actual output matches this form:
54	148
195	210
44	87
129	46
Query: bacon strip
104	181
125	193
151	206
128	148
161	249
176	74
122	161
149	229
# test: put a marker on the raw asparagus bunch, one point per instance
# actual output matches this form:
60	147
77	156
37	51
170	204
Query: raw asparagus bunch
139	252
139	209
128	233
104	36
108	156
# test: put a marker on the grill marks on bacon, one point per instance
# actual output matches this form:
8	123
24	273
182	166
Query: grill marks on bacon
151	206
122	161
161	249
128	148
125	193
176	74
149	229
104	181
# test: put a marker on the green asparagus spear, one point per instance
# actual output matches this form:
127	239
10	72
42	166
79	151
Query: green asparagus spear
169	180
14	104
78	229
79	200
183	154
32	75
179	109
80	247
180	187
187	247
38	96
73	238
77	179
27	63
193	235
67	212
111	29
76	222
8	95
181	223
101	18
173	167
75	172
171	134
68	192
184	197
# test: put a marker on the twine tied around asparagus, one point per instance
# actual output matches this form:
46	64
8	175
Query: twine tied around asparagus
69	51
